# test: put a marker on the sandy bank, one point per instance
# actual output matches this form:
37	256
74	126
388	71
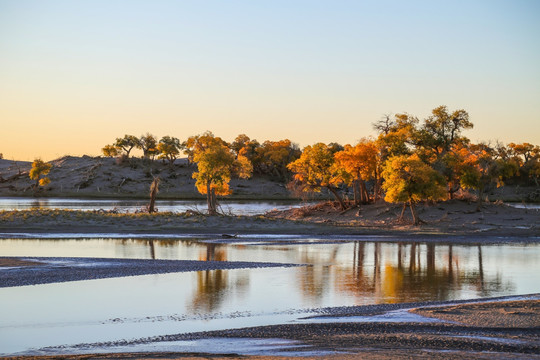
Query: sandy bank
506	330
40	270
448	219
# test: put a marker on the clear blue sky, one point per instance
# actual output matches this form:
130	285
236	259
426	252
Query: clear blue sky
76	74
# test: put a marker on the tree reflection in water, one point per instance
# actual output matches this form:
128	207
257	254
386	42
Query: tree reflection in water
214	286
367	272
420	273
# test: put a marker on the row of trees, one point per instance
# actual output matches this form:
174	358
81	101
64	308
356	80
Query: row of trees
413	161
269	158
409	161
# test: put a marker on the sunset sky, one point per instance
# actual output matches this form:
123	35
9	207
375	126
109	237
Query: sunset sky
74	75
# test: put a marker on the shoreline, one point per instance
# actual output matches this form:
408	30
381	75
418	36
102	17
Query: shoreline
484	328
501	327
451	219
505	327
197	197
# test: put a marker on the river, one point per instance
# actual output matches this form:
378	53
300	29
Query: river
333	273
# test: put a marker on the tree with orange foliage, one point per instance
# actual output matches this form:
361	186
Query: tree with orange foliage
409	180
216	164
481	169
361	163
273	157
244	146
316	169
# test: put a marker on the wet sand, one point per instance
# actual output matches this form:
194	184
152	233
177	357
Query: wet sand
41	270
506	330
467	329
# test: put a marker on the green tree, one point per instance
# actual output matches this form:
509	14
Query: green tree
216	164
38	171
316	169
438	141
127	143
409	180
169	148
442	130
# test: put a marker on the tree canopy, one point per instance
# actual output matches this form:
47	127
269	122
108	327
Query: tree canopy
316	168
410	160
409	180
38	171
216	164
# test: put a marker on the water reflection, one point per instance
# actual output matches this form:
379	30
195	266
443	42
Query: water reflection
419	272
214	287
364	272
339	274
236	207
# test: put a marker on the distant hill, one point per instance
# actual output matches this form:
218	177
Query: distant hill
103	177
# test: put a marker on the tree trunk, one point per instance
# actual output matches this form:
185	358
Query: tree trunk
153	193
36	187
416	219
402	212
338	198
377	189
365	195
356	190
480	196
452	190
210	199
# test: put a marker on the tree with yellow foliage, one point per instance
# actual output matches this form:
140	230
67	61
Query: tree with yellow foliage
317	169
361	163
126	143
272	158
148	144
39	169
169	148
216	164
527	157
110	151
408	180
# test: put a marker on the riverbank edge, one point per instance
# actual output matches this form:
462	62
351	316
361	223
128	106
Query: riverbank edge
47	223
439	339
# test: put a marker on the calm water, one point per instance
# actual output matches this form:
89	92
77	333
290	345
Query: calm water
235	207
341	274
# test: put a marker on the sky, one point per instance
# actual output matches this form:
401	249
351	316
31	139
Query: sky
74	75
